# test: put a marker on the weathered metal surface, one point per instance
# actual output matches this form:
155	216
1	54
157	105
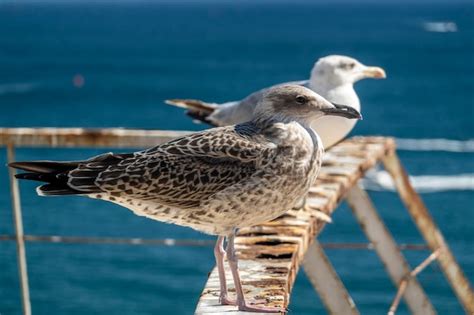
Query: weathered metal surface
270	254
386	248
83	137
404	283
20	243
430	232
326	282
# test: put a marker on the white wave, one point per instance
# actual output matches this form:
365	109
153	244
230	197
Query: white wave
16	88
435	145
379	180
440	27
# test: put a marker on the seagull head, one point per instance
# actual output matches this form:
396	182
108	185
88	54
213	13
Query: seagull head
335	70
287	103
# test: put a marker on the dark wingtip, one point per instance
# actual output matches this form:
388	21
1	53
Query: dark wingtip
200	117
16	165
30	176
43	166
25	166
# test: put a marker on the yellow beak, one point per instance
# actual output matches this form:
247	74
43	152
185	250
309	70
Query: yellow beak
374	72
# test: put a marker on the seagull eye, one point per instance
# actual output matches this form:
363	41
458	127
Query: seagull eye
349	66
300	99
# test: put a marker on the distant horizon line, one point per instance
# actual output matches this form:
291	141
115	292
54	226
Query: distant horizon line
233	2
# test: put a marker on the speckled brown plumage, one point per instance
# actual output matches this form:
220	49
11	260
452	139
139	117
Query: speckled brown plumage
212	181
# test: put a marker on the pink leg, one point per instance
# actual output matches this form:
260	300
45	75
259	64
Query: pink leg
243	306
219	253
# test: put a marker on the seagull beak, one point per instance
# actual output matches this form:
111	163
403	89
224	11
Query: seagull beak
343	111
374	72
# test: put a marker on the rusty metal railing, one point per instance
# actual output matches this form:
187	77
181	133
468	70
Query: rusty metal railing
13	138
19	236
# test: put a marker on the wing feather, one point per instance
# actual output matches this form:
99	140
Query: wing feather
189	169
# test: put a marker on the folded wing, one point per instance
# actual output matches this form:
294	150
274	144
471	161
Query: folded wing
178	173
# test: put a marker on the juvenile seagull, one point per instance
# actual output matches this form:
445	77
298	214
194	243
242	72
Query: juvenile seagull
332	77
214	181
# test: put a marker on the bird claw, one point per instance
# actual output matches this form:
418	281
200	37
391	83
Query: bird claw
246	306
262	309
225	300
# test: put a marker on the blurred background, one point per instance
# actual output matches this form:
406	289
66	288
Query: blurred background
112	63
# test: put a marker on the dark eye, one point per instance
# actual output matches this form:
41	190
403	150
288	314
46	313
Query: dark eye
300	99
348	66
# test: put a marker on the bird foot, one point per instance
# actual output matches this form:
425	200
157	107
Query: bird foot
262	309
225	300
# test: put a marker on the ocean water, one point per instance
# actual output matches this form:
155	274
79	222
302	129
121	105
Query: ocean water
132	56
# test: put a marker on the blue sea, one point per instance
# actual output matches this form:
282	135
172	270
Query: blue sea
128	57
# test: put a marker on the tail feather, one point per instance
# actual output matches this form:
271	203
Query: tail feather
39	177
52	173
196	109
44	167
67	178
56	190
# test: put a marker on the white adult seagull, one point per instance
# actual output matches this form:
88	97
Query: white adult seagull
332	77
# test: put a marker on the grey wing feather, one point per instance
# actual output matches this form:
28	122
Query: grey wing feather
189	169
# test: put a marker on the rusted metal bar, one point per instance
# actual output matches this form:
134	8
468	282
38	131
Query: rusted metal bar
176	242
20	243
84	137
403	285
430	231
386	248
110	240
326	282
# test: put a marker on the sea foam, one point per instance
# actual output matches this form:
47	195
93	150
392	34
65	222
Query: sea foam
440	27
435	145
379	180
